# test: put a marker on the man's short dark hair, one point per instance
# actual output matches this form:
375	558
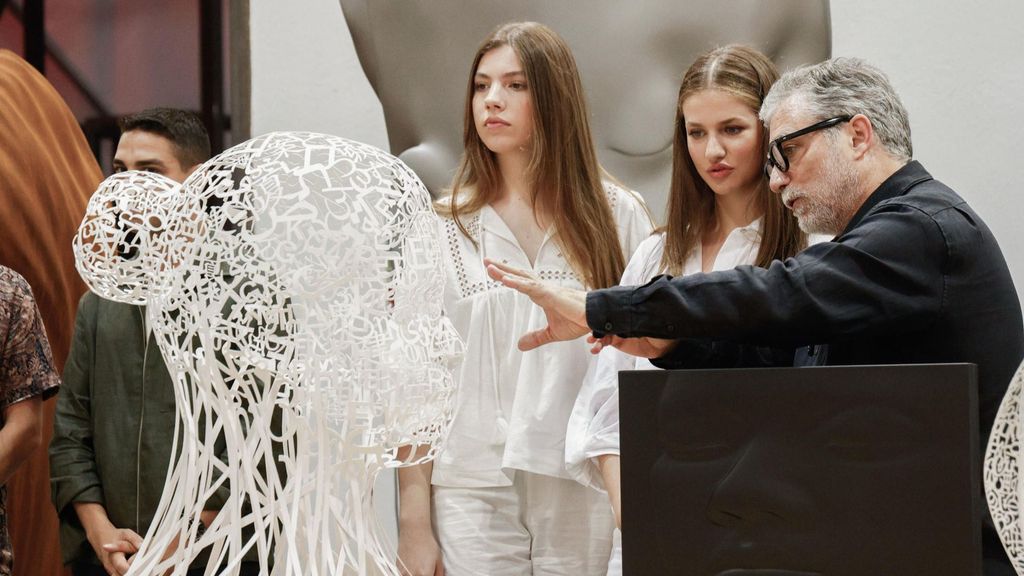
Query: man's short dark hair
183	128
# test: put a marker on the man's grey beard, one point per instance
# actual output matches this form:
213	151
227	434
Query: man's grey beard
828	208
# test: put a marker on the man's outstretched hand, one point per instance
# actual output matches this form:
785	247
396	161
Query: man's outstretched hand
566	311
641	346
565	308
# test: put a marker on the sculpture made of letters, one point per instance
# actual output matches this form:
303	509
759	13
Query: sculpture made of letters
1004	484
291	283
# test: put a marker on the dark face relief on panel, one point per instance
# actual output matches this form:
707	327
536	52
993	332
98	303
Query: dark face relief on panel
799	472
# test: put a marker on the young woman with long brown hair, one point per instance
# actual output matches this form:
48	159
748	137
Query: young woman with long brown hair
528	191
721	214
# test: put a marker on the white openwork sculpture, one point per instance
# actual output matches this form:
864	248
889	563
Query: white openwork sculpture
1004	483
123	241
292	283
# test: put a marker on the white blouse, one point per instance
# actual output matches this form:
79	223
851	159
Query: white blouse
593	428
513	407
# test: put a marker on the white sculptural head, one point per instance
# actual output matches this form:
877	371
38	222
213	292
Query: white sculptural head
298	300
128	234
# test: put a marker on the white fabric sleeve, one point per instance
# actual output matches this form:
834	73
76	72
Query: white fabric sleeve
593	428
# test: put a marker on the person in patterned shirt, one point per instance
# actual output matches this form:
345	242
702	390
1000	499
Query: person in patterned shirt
27	377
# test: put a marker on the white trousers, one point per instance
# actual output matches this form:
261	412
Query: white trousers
541	526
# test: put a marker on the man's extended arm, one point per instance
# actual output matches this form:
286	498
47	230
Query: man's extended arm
867	283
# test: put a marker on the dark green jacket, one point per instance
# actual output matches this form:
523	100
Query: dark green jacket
114	426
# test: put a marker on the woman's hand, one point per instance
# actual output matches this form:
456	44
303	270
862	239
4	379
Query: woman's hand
418	552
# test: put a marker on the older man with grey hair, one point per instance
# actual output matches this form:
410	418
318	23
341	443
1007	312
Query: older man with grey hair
913	275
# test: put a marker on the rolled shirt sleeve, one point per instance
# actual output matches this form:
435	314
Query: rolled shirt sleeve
73	472
26	362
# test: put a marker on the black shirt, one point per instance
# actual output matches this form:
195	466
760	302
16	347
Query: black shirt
916	277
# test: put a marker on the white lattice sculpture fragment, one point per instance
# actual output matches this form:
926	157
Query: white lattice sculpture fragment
128	235
1004	483
293	286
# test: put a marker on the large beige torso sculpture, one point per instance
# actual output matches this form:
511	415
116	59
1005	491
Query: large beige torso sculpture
631	55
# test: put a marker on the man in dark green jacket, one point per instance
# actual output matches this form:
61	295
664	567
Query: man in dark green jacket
113	433
115	418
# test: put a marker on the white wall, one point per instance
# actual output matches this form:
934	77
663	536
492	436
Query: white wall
957	63
305	75
959	66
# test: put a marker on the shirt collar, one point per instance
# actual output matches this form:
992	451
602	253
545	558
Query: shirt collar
494	224
754	227
490	220
751	232
901	181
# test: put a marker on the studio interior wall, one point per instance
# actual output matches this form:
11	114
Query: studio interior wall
957	64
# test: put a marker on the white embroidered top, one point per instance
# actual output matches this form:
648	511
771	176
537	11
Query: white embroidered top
593	428
512	407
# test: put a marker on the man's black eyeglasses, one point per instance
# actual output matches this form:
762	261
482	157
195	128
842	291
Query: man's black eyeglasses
777	158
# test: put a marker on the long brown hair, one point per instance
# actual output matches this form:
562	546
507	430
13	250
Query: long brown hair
746	74
563	168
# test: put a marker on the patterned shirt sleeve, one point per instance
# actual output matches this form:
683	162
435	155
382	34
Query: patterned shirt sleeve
26	363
